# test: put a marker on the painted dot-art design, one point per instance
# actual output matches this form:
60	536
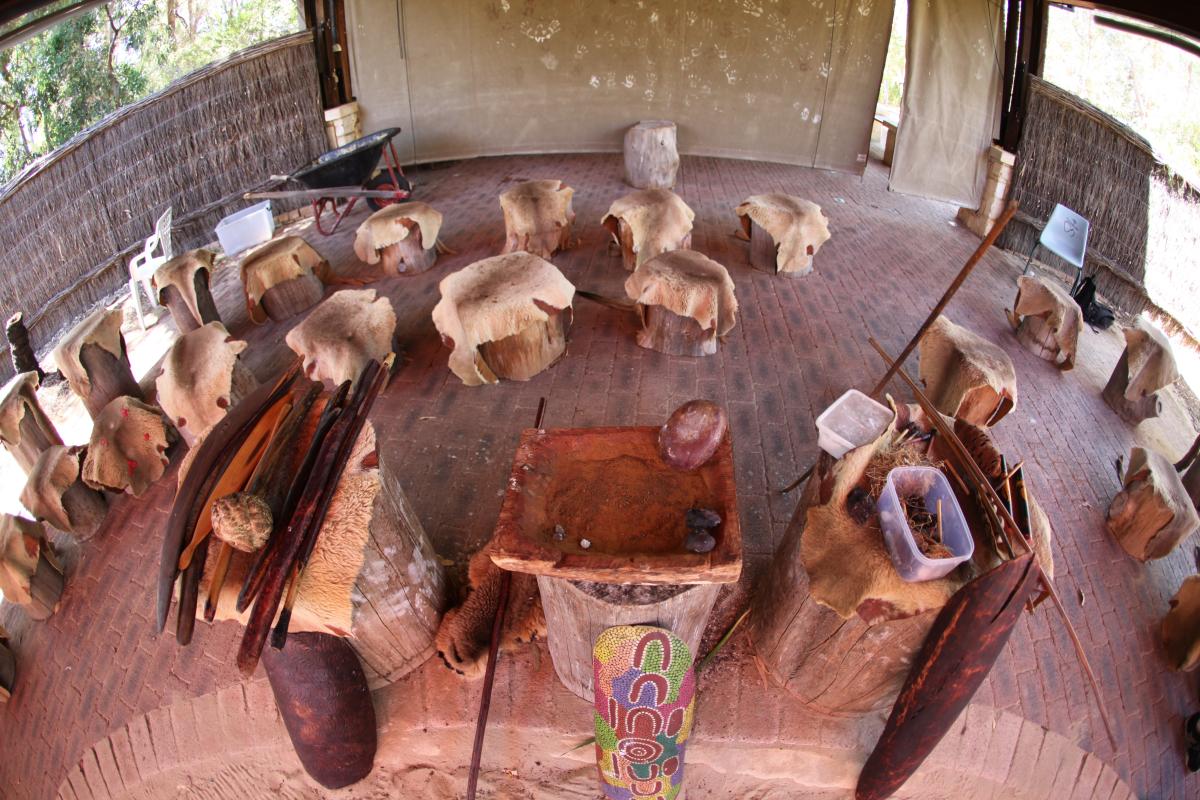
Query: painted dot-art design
645	700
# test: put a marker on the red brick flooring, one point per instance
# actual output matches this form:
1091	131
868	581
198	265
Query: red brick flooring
799	343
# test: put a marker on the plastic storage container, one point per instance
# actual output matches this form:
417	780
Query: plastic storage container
851	421
907	558
243	229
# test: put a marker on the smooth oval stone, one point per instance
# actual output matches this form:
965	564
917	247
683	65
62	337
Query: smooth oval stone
702	518
692	434
699	541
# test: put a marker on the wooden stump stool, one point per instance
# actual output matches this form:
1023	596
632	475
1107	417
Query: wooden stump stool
342	334
1146	367
686	302
651	155
537	217
182	286
128	448
1152	513
203	376
93	359
30	574
282	278
647	223
25	429
1047	320
967	377
504	317
577	612
373	579
403	236
785	232
1181	627
55	493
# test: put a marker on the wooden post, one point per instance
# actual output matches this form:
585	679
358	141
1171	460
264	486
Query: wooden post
521	356
651	155
577	612
23	357
667	332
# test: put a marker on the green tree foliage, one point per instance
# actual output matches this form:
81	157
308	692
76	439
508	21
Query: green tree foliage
61	81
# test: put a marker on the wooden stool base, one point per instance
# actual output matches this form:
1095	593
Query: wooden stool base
521	356
578	611
670	333
184	319
110	377
408	256
285	300
1136	411
763	250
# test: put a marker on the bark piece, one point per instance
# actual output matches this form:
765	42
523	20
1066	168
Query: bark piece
322	695
182	284
56	493
1181	627
1047	320
1146	367
688	285
127	451
537	217
25	429
93	359
29	573
797	226
967	376
648	223
1152	513
282	278
401	235
203	376
497	298
342	334
645	703
651	155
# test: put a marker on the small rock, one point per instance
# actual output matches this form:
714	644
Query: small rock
585	543
560	533
699	541
702	518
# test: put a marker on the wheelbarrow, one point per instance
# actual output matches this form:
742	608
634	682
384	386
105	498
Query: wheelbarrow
337	179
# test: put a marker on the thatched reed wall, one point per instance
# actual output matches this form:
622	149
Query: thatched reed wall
1145	222
70	222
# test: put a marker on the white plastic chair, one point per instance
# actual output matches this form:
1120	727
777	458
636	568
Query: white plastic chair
143	265
1065	235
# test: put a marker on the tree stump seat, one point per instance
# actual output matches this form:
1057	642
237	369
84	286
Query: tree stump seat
25	429
401	236
785	232
343	333
30	573
203	376
1047	320
128	448
56	493
651	155
685	301
649	222
1152	513
538	216
282	278
94	360
504	317
966	376
1146	367
182	285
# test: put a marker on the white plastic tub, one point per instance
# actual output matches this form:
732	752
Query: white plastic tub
851	421
244	229
956	536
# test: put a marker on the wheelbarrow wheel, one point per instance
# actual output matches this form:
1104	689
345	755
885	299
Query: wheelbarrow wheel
383	182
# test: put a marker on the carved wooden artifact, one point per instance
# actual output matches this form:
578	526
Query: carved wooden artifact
93	359
202	376
1147	366
182	285
685	301
504	317
343	333
55	493
785	232
25	429
537	217
966	376
651	155
30	574
403	236
647	223
1152	513
282	278
127	451
1047	320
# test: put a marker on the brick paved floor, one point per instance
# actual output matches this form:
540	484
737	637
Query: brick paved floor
798	345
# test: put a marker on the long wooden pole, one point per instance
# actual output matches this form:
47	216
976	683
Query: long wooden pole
489	676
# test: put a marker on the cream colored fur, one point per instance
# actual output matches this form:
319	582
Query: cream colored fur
277	261
126	452
1040	297
798	227
966	376
491	299
180	272
387	226
658	219
343	333
196	383
689	284
102	327
54	472
537	217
